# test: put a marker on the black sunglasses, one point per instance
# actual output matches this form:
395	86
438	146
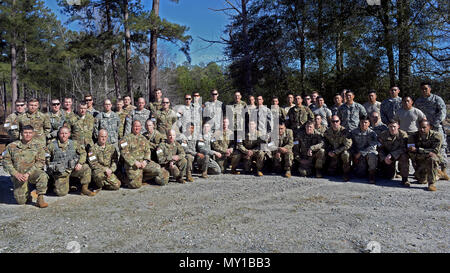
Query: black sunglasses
188	98
54	104
88	99
335	121
215	94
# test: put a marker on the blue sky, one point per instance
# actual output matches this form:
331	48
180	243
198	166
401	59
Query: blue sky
195	14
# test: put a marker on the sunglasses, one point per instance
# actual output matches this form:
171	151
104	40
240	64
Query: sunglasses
188	98
335	121
20	105
215	94
88	99
55	104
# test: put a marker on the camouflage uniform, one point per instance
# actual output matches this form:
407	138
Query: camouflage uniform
122	116
12	126
334	109
252	142
142	115
278	112
165	153
61	161
285	141
389	108
302	144
25	159
214	112
426	165
154	140
189	144
366	144
136	148
394	145
83	129
324	112
207	164
321	130
165	121
379	128
221	141
111	123
40	123
297	117
155	107
187	115
350	115
129	109
372	107
93	112
339	142
435	110
237	120
57	121
71	118
102	158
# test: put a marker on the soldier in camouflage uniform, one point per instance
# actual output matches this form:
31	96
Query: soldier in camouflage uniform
103	159
172	157
364	149
322	110
350	112
57	120
337	99
140	113
39	121
283	149
66	158
122	116
205	154
423	149
89	100
318	124
236	115
249	149
435	110
277	112
11	122
154	137
189	143
393	148
127	105
24	161
165	118
375	123
223	142
156	105
309	151
136	154
69	116
298	116
109	121
290	103
84	127
213	111
337	145
187	114
390	106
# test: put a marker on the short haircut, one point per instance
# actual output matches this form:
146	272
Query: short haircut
425	83
63	127
372	91
20	101
364	118
27	127
33	100
88	95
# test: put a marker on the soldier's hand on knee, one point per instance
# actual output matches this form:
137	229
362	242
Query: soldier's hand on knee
137	164
143	164
108	173
200	155
20	177
78	167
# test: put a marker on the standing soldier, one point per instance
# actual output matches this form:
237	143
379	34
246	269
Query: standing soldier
337	99
364	149
337	145
189	144
277	112
390	106
39	121
409	117
298	116
423	149
127	105
157	103
205	154
172	157
165	117
25	161
392	149
103	158
435	110
223	143
350	112
11	122
290	103
249	149
135	151
140	113
322	110
283	152
214	111
185	114
69	116
238	110
57	120
84	127
122	116
309	151
109	121
90	105
372	104
66	158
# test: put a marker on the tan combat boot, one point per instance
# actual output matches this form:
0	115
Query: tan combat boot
181	180
431	187
443	174
204	174
259	173
189	177
86	191
287	174
40	203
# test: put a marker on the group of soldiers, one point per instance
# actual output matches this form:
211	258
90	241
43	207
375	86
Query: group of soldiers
154	142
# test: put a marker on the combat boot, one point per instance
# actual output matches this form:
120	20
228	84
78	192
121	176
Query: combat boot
181	180
431	187
303	172
259	173
40	203
346	177
287	174
372	177
319	173
86	191
204	174
189	177
233	171
443	174
405	182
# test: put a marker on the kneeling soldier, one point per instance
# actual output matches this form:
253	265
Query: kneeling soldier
205	154
172	157
223	143
392	149
66	158
24	161
103	158
189	144
283	152
423	149
135	151
309	150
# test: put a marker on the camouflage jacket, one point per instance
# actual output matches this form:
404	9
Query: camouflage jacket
350	115
167	150
154	107
111	123
364	142
134	148
389	108
428	143
252	142
337	141
100	158
189	144
165	120
79	151
93	112
286	140
141	115
12	126
222	140
204	145
324	112
40	123
434	109
23	158
298	116
57	121
392	144
70	119
379	128
305	142
83	129
238	120
372	107
154	139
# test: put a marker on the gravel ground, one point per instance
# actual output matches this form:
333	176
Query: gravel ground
229	213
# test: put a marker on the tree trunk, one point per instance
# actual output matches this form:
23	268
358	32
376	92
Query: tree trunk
319	48
153	65
90	80
113	50
388	44
404	45
340	47
246	59
14	60
128	49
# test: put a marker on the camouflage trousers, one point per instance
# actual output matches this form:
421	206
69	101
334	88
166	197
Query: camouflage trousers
62	182
306	163
426	167
136	176
365	163
21	190
258	157
179	168
389	170
443	153
189	163
209	165
286	159
103	182
333	163
223	162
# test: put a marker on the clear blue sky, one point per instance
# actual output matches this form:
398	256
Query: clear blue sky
195	14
